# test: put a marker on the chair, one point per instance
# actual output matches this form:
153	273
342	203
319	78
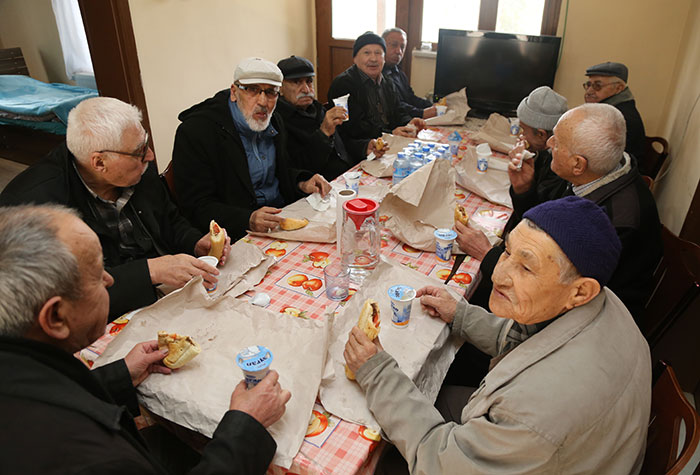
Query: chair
668	408
655	153
169	181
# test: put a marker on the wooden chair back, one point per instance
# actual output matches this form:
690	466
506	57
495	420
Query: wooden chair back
655	153
669	408
12	62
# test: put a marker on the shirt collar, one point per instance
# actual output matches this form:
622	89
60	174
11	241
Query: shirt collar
243	127
366	78
123	191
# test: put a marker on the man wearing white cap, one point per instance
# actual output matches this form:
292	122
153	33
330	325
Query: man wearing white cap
230	157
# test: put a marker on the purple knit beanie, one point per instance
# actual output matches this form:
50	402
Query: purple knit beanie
583	232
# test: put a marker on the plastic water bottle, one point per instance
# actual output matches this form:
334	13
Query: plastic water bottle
416	162
401	168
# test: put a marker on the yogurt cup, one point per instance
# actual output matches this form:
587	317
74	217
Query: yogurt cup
352	181
483	152
255	362
342	101
440	110
444	240
401	299
454	139
212	261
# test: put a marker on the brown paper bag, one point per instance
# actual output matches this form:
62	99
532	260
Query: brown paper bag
492	185
457	108
496	132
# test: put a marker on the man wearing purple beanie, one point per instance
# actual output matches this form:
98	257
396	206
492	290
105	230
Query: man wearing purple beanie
569	389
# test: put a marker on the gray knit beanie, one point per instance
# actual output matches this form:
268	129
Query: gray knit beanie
542	108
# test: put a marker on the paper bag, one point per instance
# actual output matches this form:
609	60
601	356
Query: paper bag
457	108
321	227
384	166
421	203
496	132
197	395
424	338
492	185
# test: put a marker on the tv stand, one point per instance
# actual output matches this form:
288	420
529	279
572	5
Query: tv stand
484	114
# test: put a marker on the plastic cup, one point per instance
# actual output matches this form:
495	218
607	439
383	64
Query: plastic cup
342	101
255	362
212	261
440	110
337	279
352	181
483	152
444	240
401	299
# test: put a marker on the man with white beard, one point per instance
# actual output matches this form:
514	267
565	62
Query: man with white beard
230	160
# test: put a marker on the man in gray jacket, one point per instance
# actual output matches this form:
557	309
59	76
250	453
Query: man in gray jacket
569	388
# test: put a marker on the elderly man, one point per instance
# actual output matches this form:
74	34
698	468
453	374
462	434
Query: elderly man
395	39
588	154
230	159
59	416
570	385
607	83
104	171
374	106
314	143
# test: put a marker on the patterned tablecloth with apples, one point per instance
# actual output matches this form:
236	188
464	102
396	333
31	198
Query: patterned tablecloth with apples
295	285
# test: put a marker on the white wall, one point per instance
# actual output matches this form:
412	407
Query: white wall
188	50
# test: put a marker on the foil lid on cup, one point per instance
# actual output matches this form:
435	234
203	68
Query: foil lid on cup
401	292
254	358
445	234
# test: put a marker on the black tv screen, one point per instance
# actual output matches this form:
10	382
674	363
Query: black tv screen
498	69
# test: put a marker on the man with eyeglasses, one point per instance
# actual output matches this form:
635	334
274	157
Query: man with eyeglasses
103	171
230	159
314	142
607	83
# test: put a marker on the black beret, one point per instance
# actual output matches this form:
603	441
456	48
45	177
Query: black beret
296	67
368	38
608	69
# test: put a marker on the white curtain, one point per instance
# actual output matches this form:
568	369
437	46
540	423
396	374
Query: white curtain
71	31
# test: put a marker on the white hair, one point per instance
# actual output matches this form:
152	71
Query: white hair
388	31
98	124
599	135
255	124
567	270
34	265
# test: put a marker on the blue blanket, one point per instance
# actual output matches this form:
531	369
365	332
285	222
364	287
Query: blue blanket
24	96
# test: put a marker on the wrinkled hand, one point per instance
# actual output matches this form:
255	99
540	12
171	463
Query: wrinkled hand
429	112
145	358
372	147
405	131
315	184
521	178
204	245
359	348
333	118
438	303
177	270
418	123
264	219
472	241
265	402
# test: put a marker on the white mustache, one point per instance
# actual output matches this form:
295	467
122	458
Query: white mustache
305	94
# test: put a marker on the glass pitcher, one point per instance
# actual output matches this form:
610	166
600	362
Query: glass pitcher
360	237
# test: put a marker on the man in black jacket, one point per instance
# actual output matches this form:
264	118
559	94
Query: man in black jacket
373	106
313	141
59	416
230	159
607	83
395	39
106	172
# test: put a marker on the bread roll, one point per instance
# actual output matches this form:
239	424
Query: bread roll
218	240
181	349
290	224
368	321
461	215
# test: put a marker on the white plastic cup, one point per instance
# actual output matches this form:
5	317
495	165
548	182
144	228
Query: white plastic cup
212	261
440	109
352	181
483	152
255	363
342	101
401	299
444	240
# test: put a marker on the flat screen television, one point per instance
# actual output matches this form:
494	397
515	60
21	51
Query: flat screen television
498	69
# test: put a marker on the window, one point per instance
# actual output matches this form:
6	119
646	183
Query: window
520	16
449	14
352	18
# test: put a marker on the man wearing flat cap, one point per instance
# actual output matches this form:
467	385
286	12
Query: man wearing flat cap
230	160
569	388
314	143
374	106
607	83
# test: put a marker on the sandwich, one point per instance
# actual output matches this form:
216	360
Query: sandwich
218	240
181	349
379	144
290	224
368	322
461	215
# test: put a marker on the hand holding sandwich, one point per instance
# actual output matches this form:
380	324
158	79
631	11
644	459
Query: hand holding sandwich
176	270
265	402
144	359
438	303
203	247
359	349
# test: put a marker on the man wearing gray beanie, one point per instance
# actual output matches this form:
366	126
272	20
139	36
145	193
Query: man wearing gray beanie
569	389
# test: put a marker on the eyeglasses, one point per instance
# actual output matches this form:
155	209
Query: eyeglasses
253	90
597	85
140	152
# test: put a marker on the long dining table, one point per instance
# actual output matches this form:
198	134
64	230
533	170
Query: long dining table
333	445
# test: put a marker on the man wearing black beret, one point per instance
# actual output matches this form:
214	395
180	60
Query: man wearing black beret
313	141
374	105
607	83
